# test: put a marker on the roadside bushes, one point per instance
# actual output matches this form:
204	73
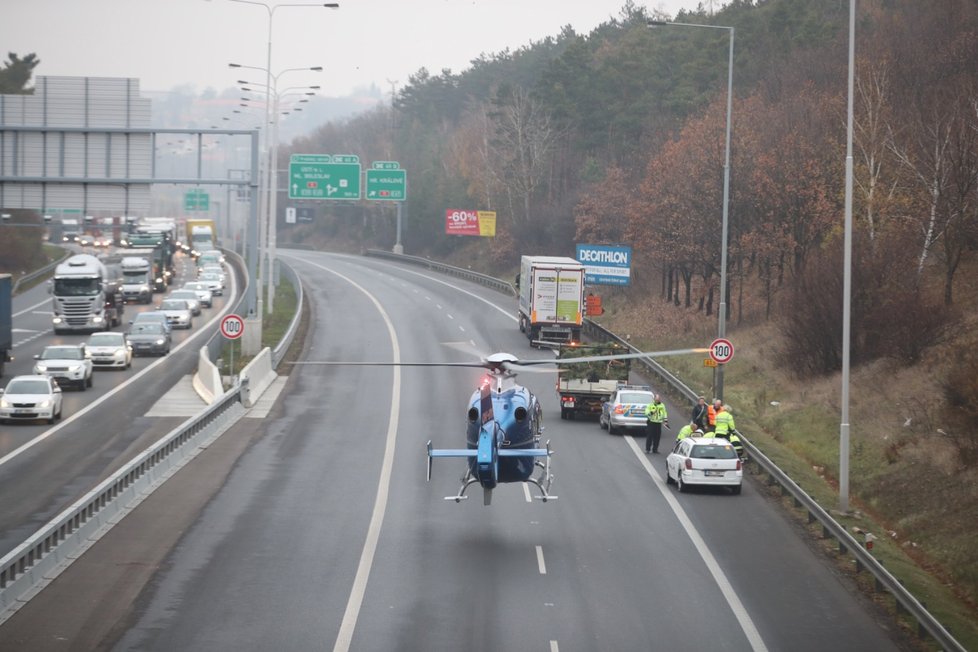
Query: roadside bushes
893	314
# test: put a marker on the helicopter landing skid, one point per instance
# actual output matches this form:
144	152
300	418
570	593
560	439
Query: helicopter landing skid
467	480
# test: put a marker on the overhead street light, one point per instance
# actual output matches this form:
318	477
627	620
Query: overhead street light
722	320
268	202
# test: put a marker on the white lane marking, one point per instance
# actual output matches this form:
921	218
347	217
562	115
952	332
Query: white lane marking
359	588
36	305
449	315
94	404
461	328
508	312
553	646
526	492
541	565
438	305
740	613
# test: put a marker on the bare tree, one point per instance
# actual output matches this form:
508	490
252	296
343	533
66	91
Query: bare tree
523	139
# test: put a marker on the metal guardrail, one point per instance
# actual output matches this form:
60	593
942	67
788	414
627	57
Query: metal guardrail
42	557
467	274
905	601
38	273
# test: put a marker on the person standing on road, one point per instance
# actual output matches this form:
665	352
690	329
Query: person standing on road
699	413
711	415
655	416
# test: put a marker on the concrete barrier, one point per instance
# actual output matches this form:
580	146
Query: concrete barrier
256	377
207	380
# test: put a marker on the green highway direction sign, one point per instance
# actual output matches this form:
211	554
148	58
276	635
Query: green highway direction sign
386	182
324	176
196	200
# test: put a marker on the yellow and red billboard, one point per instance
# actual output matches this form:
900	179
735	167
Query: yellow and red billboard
464	222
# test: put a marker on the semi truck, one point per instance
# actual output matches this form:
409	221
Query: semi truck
6	319
157	247
583	388
84	297
138	281
551	303
202	235
71	229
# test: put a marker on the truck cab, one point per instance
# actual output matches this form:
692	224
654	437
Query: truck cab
78	292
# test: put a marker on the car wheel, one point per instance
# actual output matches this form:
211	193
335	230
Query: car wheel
613	430
668	477
683	488
88	381
735	490
602	424
51	419
58	415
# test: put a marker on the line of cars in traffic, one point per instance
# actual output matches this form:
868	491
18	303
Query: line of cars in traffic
39	396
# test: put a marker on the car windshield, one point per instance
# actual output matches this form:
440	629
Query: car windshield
146	328
176	304
184	295
209	277
713	452
195	286
62	353
106	339
28	386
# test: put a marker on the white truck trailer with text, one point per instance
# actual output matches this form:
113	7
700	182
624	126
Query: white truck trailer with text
551	303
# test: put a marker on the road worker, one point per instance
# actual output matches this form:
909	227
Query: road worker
724	422
655	416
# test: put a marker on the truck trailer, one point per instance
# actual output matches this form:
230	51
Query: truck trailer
551	304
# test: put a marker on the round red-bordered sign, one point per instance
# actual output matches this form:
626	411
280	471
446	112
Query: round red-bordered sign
721	350
232	327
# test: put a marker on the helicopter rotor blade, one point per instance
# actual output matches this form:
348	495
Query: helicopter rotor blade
336	363
601	358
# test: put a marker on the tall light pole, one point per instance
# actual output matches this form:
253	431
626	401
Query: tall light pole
725	230
270	181
271	223
847	278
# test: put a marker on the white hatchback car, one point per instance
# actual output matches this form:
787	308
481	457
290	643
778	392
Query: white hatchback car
27	398
110	349
704	461
67	364
213	283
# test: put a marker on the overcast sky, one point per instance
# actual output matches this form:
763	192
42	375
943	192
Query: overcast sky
169	43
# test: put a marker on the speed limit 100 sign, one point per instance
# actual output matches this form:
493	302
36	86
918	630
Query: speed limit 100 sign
721	350
232	327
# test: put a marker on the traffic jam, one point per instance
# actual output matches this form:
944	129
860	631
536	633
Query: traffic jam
90	290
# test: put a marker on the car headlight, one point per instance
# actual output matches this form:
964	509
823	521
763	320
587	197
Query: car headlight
161	341
45	404
96	319
56	319
40	368
74	368
4	403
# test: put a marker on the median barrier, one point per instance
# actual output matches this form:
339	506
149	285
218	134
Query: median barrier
207	381
256	377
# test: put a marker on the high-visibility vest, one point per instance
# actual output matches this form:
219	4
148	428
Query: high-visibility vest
656	412
711	415
725	423
684	432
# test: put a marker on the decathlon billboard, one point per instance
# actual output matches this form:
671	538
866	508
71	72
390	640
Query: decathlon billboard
605	265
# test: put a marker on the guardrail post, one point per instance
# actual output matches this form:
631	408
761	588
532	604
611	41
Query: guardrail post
245	390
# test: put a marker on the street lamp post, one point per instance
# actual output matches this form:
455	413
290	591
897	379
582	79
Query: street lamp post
270	181
270	234
722	320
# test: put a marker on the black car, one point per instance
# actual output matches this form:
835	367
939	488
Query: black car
149	338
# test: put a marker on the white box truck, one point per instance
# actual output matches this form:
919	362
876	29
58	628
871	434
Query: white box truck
551	299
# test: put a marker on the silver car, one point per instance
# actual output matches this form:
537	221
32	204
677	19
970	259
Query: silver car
177	313
626	408
190	297
213	282
203	292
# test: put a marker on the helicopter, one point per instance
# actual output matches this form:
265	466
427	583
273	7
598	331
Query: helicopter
504	428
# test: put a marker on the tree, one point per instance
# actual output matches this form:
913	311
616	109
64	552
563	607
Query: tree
17	72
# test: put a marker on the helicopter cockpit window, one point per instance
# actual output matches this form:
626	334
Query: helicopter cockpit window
473	414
